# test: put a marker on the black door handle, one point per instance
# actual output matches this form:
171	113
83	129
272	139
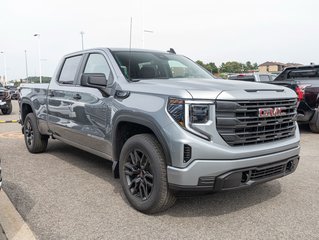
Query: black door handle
77	96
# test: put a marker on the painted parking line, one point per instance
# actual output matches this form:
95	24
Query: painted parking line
9	121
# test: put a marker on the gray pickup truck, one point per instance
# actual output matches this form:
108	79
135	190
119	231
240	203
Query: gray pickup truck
166	123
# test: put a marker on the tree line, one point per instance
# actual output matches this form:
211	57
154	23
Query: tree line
229	67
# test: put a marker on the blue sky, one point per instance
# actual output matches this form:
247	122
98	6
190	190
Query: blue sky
209	30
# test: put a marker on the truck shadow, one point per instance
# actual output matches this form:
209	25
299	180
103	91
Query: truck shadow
187	204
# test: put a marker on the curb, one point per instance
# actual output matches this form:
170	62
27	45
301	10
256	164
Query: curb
9	121
12	223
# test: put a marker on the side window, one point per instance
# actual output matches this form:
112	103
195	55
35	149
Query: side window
97	64
264	78
69	69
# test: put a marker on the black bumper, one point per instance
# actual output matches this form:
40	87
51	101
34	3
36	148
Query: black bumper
243	178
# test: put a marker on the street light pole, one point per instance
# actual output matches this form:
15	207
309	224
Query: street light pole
5	67
82	33
26	65
39	55
146	31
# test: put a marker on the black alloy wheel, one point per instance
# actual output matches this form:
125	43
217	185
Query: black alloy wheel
143	174
28	131
34	140
138	174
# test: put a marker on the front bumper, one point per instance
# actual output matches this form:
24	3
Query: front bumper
216	175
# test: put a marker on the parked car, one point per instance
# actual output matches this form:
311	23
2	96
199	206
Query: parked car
166	123
304	80
5	100
253	77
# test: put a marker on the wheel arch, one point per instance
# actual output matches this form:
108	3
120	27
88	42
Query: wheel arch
26	108
137	123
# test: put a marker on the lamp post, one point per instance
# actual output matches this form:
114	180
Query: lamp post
26	65
146	31
82	33
5	67
39	55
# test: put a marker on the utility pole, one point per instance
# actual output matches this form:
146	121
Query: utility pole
39	55
5	67
26	65
82	33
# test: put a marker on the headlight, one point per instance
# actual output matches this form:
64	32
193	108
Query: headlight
199	113
192	115
176	108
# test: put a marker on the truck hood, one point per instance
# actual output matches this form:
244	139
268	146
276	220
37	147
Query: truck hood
213	89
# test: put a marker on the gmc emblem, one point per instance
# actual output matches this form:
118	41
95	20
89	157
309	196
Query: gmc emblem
271	112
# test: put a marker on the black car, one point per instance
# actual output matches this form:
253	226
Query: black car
5	100
305	81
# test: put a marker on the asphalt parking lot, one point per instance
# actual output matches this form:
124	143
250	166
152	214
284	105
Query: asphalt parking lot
66	193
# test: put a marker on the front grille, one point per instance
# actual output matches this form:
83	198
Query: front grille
268	172
238	123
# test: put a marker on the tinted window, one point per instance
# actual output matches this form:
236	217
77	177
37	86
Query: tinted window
97	64
264	78
69	69
156	65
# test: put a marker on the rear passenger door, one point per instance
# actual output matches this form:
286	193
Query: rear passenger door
62	98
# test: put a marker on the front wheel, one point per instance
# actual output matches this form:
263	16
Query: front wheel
143	174
7	111
34	140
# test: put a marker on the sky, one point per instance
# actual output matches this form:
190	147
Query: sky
207	30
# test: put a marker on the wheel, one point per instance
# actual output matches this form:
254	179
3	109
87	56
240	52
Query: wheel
314	123
143	174
34	140
8	110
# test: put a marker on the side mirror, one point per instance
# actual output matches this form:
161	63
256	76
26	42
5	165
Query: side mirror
96	80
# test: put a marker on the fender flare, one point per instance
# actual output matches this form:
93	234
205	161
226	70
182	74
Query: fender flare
144	120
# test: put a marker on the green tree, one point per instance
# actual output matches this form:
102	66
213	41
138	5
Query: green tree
232	67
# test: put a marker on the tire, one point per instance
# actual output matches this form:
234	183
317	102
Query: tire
34	140
7	111
314	123
143	174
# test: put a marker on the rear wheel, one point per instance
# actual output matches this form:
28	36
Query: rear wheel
143	174
314	123
7	111
34	140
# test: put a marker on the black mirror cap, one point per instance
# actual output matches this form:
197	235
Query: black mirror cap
97	80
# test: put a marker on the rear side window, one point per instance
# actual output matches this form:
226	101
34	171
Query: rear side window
69	69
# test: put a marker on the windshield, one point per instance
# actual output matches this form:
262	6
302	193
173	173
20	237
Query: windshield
155	65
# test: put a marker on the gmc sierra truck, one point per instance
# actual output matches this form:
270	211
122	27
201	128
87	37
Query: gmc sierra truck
304	80
166	123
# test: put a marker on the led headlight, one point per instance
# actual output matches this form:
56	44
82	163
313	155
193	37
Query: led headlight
176	108
193	115
199	113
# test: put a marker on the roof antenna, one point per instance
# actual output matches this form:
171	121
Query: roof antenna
130	50
171	50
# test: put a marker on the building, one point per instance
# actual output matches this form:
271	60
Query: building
275	67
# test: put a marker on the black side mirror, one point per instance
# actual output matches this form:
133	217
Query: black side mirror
96	80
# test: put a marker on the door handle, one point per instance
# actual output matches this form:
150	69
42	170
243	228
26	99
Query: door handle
51	94
77	96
